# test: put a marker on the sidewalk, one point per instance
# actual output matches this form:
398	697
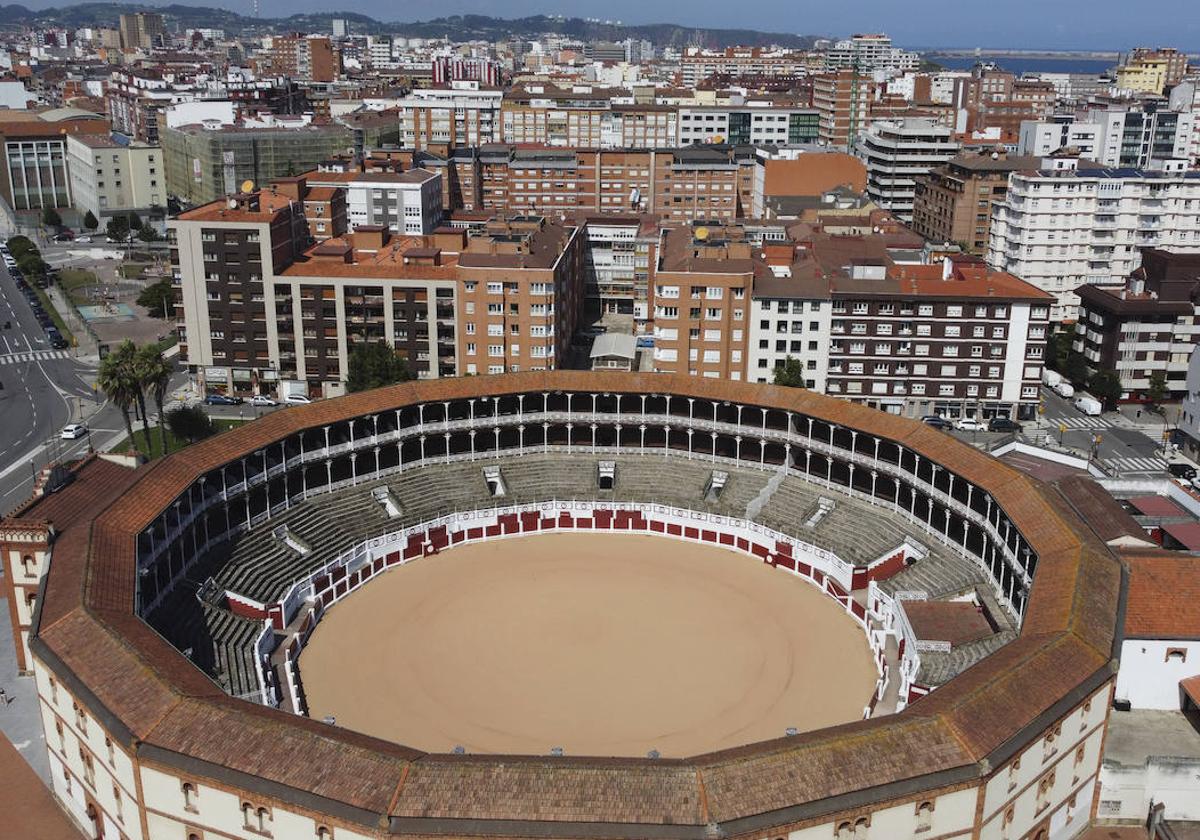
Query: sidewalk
87	349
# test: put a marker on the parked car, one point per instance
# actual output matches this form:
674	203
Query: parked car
222	399
1065	389
87	237
73	431
57	341
1003	424
1180	469
969	424
936	421
261	399
63	236
296	399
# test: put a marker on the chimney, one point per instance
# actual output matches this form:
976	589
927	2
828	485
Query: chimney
370	237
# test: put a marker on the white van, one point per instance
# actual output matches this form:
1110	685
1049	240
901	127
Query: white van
1065	389
1088	405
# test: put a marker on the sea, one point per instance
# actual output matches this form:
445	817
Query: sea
1021	65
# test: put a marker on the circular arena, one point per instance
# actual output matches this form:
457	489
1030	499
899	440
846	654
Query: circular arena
580	605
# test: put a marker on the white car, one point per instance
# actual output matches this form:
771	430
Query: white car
73	431
967	424
260	399
296	399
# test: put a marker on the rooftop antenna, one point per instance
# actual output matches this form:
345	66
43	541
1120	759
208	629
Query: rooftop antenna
256	9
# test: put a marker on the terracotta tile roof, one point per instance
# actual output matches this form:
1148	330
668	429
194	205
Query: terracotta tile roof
814	174
1065	650
1156	506
1164	595
28	807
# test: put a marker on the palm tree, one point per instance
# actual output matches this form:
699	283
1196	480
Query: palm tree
115	378
139	372
156	377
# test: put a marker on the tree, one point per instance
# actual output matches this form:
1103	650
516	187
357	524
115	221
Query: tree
374	365
157	298
32	264
1157	390
148	234
118	228
141	373
156	378
19	245
90	221
1105	386
1076	368
189	423
134	221
1058	349
790	373
117	380
50	218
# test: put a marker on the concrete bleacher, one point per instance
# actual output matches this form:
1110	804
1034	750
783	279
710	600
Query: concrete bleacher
261	566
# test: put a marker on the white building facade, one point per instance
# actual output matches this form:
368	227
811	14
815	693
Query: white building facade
1062	226
900	152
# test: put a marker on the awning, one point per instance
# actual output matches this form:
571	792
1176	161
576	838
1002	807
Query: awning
1186	533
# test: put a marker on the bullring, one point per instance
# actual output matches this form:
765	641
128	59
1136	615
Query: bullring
1006	745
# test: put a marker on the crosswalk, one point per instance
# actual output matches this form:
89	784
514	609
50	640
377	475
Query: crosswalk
1135	465
32	356
1082	422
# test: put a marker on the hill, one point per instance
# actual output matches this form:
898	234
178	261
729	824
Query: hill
456	28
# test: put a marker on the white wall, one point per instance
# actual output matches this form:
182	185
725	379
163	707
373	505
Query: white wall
1148	679
1126	792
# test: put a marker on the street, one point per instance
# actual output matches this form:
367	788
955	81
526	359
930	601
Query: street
1128	443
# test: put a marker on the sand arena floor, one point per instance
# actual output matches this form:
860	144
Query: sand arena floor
601	644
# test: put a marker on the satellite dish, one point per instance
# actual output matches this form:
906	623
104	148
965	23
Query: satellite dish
247	186
702	233
232	203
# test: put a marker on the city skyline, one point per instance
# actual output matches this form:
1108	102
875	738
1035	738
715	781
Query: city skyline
1068	25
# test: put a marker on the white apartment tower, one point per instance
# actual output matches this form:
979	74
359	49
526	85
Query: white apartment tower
900	152
1062	226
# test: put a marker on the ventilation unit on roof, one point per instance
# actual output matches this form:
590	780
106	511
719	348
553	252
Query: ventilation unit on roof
606	475
556	751
495	481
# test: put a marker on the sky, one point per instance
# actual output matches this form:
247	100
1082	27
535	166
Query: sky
1028	24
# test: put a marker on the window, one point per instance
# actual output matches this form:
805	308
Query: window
924	816
189	797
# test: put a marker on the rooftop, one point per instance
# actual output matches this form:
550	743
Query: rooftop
1164	595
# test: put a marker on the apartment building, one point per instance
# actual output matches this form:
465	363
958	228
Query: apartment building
1185	96
843	102
696	65
1142	136
135	102
898	154
464	114
620	257
1042	138
755	124
1070	223
1149	325
141	30
1152	70
309	58
952	338
204	163
408	202
870	53
702	287
994	98
522	288
953	203
552	116
111	175
259	302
